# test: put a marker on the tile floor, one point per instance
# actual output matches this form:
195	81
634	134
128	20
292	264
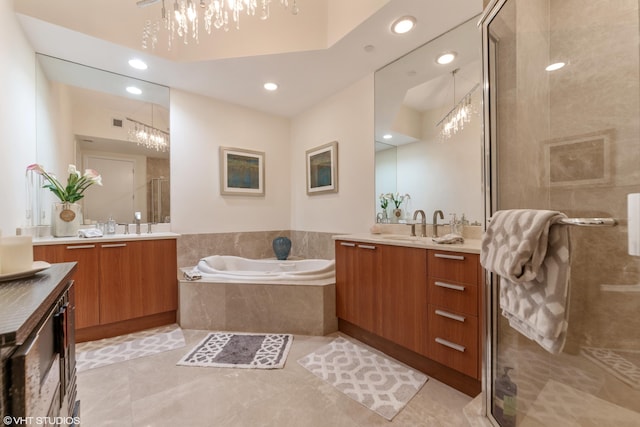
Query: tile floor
153	391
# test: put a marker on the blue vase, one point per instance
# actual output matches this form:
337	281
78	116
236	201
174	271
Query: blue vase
281	247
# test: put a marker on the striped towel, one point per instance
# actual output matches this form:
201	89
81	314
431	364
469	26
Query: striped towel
532	258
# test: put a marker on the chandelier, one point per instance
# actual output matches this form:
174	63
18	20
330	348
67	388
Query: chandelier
455	120
148	136
184	21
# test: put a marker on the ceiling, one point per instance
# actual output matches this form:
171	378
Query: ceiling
311	56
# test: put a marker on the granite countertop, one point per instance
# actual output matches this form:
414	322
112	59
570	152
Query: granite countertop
23	302
469	246
38	241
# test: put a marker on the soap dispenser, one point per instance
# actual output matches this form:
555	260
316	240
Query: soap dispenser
504	407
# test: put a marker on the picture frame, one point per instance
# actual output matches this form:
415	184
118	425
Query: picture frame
242	172
322	169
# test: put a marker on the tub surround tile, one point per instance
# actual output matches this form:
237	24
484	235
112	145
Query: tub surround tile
254	245
297	309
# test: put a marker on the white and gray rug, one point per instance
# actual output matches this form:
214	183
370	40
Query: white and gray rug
95	354
379	383
619	363
240	350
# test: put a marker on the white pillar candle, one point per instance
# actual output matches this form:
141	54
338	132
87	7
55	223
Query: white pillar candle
16	253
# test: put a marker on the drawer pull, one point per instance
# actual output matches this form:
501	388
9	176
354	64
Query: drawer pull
351	245
450	286
366	247
450	315
445	256
449	344
115	245
81	247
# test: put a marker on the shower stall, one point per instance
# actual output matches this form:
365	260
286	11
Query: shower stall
562	132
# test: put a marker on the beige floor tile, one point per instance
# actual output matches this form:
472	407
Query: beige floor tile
153	391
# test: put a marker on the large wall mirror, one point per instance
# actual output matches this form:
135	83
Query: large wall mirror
415	98
87	117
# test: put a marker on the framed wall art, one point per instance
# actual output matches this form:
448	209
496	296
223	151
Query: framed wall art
322	169
241	172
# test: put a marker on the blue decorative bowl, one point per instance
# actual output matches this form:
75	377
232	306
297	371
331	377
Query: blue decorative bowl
281	247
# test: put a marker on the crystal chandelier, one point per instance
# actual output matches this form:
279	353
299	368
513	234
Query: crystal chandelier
184	22
454	121
148	136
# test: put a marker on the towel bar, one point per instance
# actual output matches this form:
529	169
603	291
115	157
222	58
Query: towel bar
587	222
590	222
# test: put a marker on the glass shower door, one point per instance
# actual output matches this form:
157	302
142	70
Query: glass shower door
567	138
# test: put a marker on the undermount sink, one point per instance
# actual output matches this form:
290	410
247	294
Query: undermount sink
399	237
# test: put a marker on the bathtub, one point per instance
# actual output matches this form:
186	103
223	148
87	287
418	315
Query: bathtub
237	268
269	296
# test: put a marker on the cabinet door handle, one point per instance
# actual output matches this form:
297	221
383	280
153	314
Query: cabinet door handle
115	245
450	315
450	344
81	247
366	247
450	286
446	256
351	245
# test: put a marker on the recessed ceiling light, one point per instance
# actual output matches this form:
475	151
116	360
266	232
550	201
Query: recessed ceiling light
403	25
134	90
138	64
387	136
446	58
555	66
271	86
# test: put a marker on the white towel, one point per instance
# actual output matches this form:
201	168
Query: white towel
532	257
449	239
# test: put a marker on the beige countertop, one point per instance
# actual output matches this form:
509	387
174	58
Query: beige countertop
160	235
469	246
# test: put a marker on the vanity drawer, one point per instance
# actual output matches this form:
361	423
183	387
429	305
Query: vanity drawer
454	266
453	340
454	296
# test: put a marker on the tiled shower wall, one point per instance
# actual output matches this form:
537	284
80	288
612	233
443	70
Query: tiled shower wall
255	245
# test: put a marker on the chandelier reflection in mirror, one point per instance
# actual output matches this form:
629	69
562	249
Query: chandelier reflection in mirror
183	22
148	136
461	113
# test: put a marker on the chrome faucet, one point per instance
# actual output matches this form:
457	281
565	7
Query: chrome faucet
137	216
435	221
423	224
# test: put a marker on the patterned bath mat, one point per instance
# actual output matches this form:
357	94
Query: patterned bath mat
371	379
95	354
240	350
615	362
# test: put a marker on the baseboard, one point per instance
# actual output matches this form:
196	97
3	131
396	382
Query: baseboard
125	327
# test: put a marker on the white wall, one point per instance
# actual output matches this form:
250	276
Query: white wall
346	117
447	175
17	118
199	126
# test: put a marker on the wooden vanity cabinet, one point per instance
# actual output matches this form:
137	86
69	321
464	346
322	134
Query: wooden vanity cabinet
453	311
87	283
383	289
357	271
121	286
403	296
421	306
